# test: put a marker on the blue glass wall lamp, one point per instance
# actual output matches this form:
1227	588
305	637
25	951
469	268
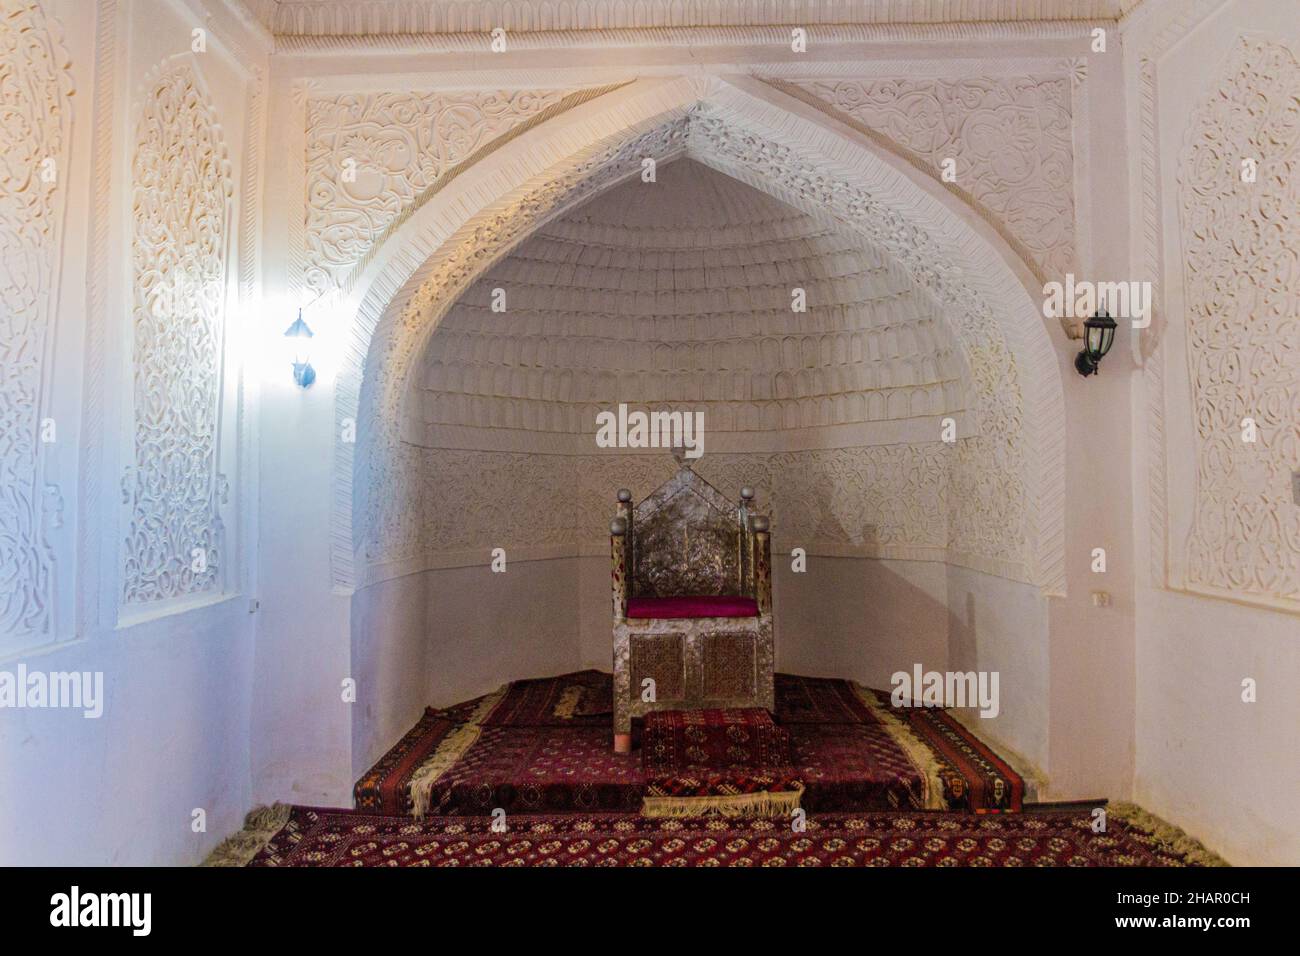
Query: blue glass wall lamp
300	335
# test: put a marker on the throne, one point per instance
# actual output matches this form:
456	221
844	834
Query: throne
692	581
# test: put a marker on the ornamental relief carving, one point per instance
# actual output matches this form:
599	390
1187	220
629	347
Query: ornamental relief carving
990	525
370	156
35	125
181	188
986	518
385	471
871	497
1243	323
1011	138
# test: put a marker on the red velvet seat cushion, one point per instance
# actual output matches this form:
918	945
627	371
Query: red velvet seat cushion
700	605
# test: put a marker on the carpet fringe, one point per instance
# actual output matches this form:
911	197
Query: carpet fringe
765	803
920	755
1168	835
451	749
261	824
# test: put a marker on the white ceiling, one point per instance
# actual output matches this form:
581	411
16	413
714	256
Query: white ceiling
358	17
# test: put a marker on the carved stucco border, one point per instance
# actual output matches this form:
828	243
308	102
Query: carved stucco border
987	264
92	479
1148	343
471	18
776	38
97	551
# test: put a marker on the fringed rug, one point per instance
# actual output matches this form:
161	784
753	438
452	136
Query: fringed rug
303	836
961	772
386	787
974	777
542	746
733	763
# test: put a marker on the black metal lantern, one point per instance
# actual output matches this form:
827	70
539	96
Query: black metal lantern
1098	336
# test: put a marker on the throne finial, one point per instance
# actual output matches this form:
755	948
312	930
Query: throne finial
679	456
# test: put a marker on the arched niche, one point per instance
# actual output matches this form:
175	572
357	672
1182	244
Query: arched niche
1011	473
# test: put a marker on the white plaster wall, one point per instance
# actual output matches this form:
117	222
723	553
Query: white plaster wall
998	625
859	618
204	712
486	628
1226	770
173	738
443	636
174	735
390	652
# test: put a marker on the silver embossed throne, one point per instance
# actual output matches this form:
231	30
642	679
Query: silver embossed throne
692	582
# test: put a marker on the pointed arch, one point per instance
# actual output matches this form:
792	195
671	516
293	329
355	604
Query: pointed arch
796	153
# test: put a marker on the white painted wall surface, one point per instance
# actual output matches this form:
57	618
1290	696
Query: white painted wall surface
175	731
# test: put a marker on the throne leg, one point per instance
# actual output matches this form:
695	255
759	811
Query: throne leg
622	725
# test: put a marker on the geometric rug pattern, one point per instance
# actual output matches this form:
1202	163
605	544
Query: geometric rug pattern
310	837
544	747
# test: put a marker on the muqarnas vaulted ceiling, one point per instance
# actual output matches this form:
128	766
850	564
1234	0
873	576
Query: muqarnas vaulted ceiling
681	294
678	294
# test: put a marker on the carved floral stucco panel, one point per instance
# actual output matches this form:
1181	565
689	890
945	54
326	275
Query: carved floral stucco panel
1242	294
1011	139
370	155
35	124
181	188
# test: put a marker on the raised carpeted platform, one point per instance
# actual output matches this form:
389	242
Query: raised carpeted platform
543	746
303	836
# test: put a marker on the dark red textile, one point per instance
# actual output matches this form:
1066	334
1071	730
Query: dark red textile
319	837
703	605
685	741
709	753
819	700
854	767
384	788
975	777
581	699
730	783
541	770
844	755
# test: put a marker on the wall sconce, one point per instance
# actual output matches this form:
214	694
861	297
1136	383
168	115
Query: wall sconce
303	373
1098	335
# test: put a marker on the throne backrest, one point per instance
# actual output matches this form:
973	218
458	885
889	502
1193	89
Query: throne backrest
686	540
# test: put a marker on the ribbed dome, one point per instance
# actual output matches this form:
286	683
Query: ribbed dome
678	294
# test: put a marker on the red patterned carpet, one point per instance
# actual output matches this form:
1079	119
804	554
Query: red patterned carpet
543	746
302	836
